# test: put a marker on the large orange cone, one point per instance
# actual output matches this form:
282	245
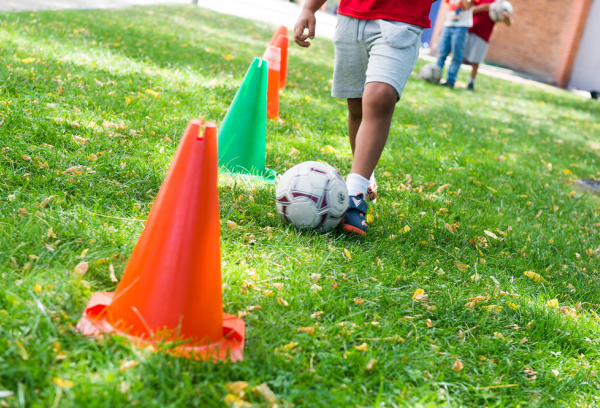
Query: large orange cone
281	30
273	57
171	288
282	42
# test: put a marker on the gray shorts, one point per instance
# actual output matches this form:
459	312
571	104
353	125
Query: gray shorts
475	49
373	51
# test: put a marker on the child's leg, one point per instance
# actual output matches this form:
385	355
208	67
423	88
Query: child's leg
444	47
459	38
355	114
475	67
378	103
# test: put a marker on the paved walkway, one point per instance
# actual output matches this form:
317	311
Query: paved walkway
276	12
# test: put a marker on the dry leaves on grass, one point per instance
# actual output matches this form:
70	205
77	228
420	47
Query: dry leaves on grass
370	364
237	388
263	391
536	277
81	268
458	365
462	267
63	383
111	271
127	365
307	330
363	347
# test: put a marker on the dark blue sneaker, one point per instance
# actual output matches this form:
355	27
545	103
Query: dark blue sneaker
471	86
354	220
448	84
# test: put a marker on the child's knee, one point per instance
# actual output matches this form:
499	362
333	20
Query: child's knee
380	98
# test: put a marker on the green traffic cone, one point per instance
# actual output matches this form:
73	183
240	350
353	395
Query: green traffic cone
243	133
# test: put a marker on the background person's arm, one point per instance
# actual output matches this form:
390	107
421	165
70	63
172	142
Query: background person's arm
481	8
308	21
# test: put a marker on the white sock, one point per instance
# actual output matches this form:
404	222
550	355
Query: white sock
372	179
356	184
471	81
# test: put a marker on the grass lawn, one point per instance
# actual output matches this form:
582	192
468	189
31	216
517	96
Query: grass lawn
475	190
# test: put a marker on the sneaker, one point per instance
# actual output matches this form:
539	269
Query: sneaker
448	84
354	220
372	192
471	87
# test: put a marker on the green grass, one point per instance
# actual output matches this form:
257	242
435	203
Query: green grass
73	93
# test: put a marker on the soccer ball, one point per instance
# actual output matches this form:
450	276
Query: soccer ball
498	7
431	73
312	195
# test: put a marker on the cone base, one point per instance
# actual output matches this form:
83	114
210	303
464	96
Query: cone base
94	323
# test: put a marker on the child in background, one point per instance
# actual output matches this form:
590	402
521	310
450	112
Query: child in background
479	37
377	45
454	35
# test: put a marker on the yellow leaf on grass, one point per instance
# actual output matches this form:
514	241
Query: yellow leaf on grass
81	268
231	224
28	60
512	305
127	100
362	347
567	172
63	383
236	402
38	288
418	294
348	254
405	229
370	364
552	303
458	365
493	308
462	267
536	277
46	201
153	93
307	330
429	323
237	388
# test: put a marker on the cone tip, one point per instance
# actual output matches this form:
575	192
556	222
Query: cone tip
210	130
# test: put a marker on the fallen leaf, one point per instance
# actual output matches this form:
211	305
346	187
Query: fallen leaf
512	305
458	365
316	288
231	224
552	303
308	330
370	364
363	347
28	60
429	324
316	314
418	294
237	388
534	276
524	340
236	402
282	301
63	383
127	365
359	301
567	172
46	201
153	93
348	254
81	268
315	277
493	308
462	267
555	372
490	234
265	393
38	288
111	270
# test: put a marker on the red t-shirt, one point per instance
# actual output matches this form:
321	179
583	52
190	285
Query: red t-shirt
483	26
407	11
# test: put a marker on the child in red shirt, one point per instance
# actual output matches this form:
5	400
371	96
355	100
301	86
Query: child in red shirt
479	37
377	45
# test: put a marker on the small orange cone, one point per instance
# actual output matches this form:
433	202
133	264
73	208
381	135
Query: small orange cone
282	43
273	57
282	30
170	291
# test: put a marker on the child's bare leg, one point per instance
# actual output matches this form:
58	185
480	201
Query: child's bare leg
354	120
378	103
475	67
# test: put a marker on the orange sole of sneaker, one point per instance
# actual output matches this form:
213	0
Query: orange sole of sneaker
353	230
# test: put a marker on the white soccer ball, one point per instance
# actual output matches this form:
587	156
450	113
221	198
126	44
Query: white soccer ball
312	195
498	7
431	73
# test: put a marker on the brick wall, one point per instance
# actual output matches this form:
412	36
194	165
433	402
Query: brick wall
543	40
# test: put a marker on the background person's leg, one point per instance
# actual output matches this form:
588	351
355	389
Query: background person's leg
459	37
444	47
378	103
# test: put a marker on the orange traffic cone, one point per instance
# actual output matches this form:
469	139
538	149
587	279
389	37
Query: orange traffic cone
171	288
282	42
282	30
273	57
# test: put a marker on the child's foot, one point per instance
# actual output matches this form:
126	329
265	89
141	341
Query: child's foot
471	86
354	220
448	84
